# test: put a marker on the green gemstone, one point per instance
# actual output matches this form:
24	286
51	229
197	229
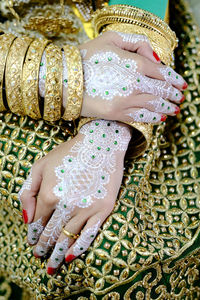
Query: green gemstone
124	88
91	141
115	142
176	94
33	239
117	131
93	156
99	148
41	251
108	149
84	200
177	77
107	92
103	177
168	108
60	189
61	249
94	91
99	191
169	73
163	104
127	66
141	116
103	135
109	58
91	131
97	124
65	80
44	77
41	64
65	206
81	248
70	160
108	124
138	80
56	259
154	118
62	171
96	62
92	236
35	230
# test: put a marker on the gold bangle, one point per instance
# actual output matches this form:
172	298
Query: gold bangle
70	235
30	78
13	75
131	19
6	41
75	83
53	83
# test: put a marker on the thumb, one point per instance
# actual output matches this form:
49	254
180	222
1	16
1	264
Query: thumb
27	194
134	43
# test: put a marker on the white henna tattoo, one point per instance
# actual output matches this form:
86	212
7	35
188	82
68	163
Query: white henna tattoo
171	76
162	106
144	115
34	231
26	185
85	240
58	253
133	38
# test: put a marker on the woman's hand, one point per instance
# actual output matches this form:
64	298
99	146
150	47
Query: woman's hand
126	86
74	187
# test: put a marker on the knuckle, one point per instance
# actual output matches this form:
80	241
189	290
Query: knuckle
47	198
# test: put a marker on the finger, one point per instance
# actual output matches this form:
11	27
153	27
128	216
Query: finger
29	190
64	242
51	232
135	43
173	78
158	88
154	104
144	116
87	236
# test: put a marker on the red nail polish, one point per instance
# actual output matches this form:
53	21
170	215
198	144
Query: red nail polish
37	256
156	56
51	271
163	118
184	87
182	99
69	258
25	216
177	110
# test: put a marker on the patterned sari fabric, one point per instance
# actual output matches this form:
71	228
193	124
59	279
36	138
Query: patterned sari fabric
149	247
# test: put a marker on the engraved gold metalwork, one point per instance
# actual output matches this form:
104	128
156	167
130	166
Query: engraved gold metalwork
30	77
6	41
13	75
53	83
75	83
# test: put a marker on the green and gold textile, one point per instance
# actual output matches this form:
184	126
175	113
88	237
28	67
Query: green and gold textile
149	247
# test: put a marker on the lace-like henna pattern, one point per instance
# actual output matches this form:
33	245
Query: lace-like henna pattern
146	116
107	76
171	76
162	106
58	253
85	240
133	38
34	231
26	186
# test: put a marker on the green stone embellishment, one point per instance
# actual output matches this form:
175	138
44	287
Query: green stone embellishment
41	64
44	77
84	200
109	58
92	236
108	149
115	142
103	177
70	160
138	80
177	77
107	92
62	171
61	249
108	124
124	88
141	116
163	104
98	148
169	73
56	259
168	108
93	156
91	141
35	230
65	206
117	131
99	191
65	80
33	239
91	131
127	66
103	135
97	124
94	91
96	62
81	248
60	189
176	94
154	118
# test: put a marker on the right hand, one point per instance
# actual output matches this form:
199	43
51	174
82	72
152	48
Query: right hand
125	82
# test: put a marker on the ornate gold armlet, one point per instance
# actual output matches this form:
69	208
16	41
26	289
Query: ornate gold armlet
131	19
30	78
75	83
53	84
13	74
6	41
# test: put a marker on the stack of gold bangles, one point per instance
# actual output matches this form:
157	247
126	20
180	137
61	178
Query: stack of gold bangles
20	62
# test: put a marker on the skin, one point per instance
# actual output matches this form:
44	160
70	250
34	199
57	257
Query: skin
40	200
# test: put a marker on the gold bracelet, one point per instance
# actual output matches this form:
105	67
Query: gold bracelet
6	41
13	75
30	78
131	19
75	83
53	83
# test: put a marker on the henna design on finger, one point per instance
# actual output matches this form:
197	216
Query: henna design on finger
171	76
144	115
34	231
162	106
58	253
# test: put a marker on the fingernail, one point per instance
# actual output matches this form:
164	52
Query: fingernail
69	258
163	118
177	110
37	256
156	56
184	87
182	99
51	271
25	216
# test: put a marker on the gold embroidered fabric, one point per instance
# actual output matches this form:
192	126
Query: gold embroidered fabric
149	246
